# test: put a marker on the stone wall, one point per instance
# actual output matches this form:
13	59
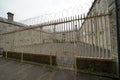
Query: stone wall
119	23
15	41
4	27
96	30
111	37
113	32
8	26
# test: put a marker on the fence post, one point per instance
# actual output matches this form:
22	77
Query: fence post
6	55
22	57
50	58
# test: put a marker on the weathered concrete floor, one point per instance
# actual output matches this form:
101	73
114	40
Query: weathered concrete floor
14	70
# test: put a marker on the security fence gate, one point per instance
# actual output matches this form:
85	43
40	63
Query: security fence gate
80	36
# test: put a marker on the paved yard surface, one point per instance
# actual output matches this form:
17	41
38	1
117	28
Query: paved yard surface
15	70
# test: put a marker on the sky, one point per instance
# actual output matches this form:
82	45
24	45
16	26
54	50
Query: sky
25	9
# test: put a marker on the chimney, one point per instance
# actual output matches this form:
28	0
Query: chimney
10	16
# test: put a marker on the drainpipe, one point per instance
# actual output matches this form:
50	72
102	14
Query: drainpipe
118	39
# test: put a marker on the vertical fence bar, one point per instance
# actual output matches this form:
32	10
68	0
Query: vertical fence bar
84	25
6	54
99	35
92	34
79	36
62	58
109	34
13	45
87	43
72	38
80	33
50	58
106	38
6	45
102	32
69	30
54	40
63	43
66	30
50	51
69	37
32	41
96	37
88	34
97	31
39	40
21	57
15	42
82	39
61	48
76	25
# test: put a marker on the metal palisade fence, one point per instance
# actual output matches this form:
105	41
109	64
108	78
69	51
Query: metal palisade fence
79	36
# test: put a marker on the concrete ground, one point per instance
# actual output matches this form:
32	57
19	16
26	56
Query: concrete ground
15	70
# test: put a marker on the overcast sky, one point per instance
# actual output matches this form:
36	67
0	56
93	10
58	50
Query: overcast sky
24	9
